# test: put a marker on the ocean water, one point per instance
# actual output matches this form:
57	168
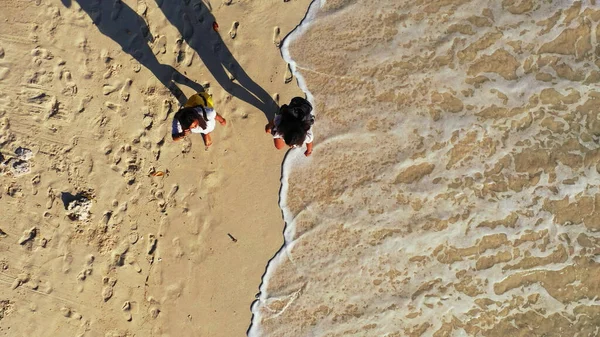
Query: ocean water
453	190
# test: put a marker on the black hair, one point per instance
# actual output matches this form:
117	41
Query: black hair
293	129
187	116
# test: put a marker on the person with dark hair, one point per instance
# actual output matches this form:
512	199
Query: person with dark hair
197	116
292	126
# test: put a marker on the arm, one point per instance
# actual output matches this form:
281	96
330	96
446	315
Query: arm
180	135
269	127
309	147
177	133
221	120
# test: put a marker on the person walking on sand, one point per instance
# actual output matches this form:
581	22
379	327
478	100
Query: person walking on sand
292	125
197	116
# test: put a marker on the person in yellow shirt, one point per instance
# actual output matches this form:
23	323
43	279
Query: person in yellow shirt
197	116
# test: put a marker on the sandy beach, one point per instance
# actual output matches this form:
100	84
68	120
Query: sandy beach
453	189
109	228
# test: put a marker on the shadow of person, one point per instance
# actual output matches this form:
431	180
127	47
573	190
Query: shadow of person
194	22
128	29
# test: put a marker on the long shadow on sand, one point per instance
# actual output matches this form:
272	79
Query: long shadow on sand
124	26
194	22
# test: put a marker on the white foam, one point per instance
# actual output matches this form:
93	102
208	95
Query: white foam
344	257
292	158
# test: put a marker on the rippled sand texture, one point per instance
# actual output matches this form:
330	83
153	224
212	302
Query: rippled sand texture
454	187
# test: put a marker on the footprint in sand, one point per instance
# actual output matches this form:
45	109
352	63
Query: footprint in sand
160	46
65	312
189	56
52	109
276	36
162	204
28	235
107	292
178	251
117	6
188	28
51	198
127	311
108	89
147	122
287	78
1	53
156	154
83	103
152	242
233	30
20	280
105	56
35	181
126	89
117	157
145	29
154	311
130	260
227	2
83	274
4	72
113	106
211	179
197	7
178	51
108	73
163	227
186	145
70	86
141	8
67	261
173	191
165	110
133	237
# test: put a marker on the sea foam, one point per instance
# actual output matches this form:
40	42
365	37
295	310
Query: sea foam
453	187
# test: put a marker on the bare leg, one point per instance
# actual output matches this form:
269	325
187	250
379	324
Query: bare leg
207	139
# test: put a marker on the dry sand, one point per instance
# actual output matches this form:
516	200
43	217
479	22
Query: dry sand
83	113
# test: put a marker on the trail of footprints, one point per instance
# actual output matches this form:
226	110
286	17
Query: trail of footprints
162	201
122	256
125	160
